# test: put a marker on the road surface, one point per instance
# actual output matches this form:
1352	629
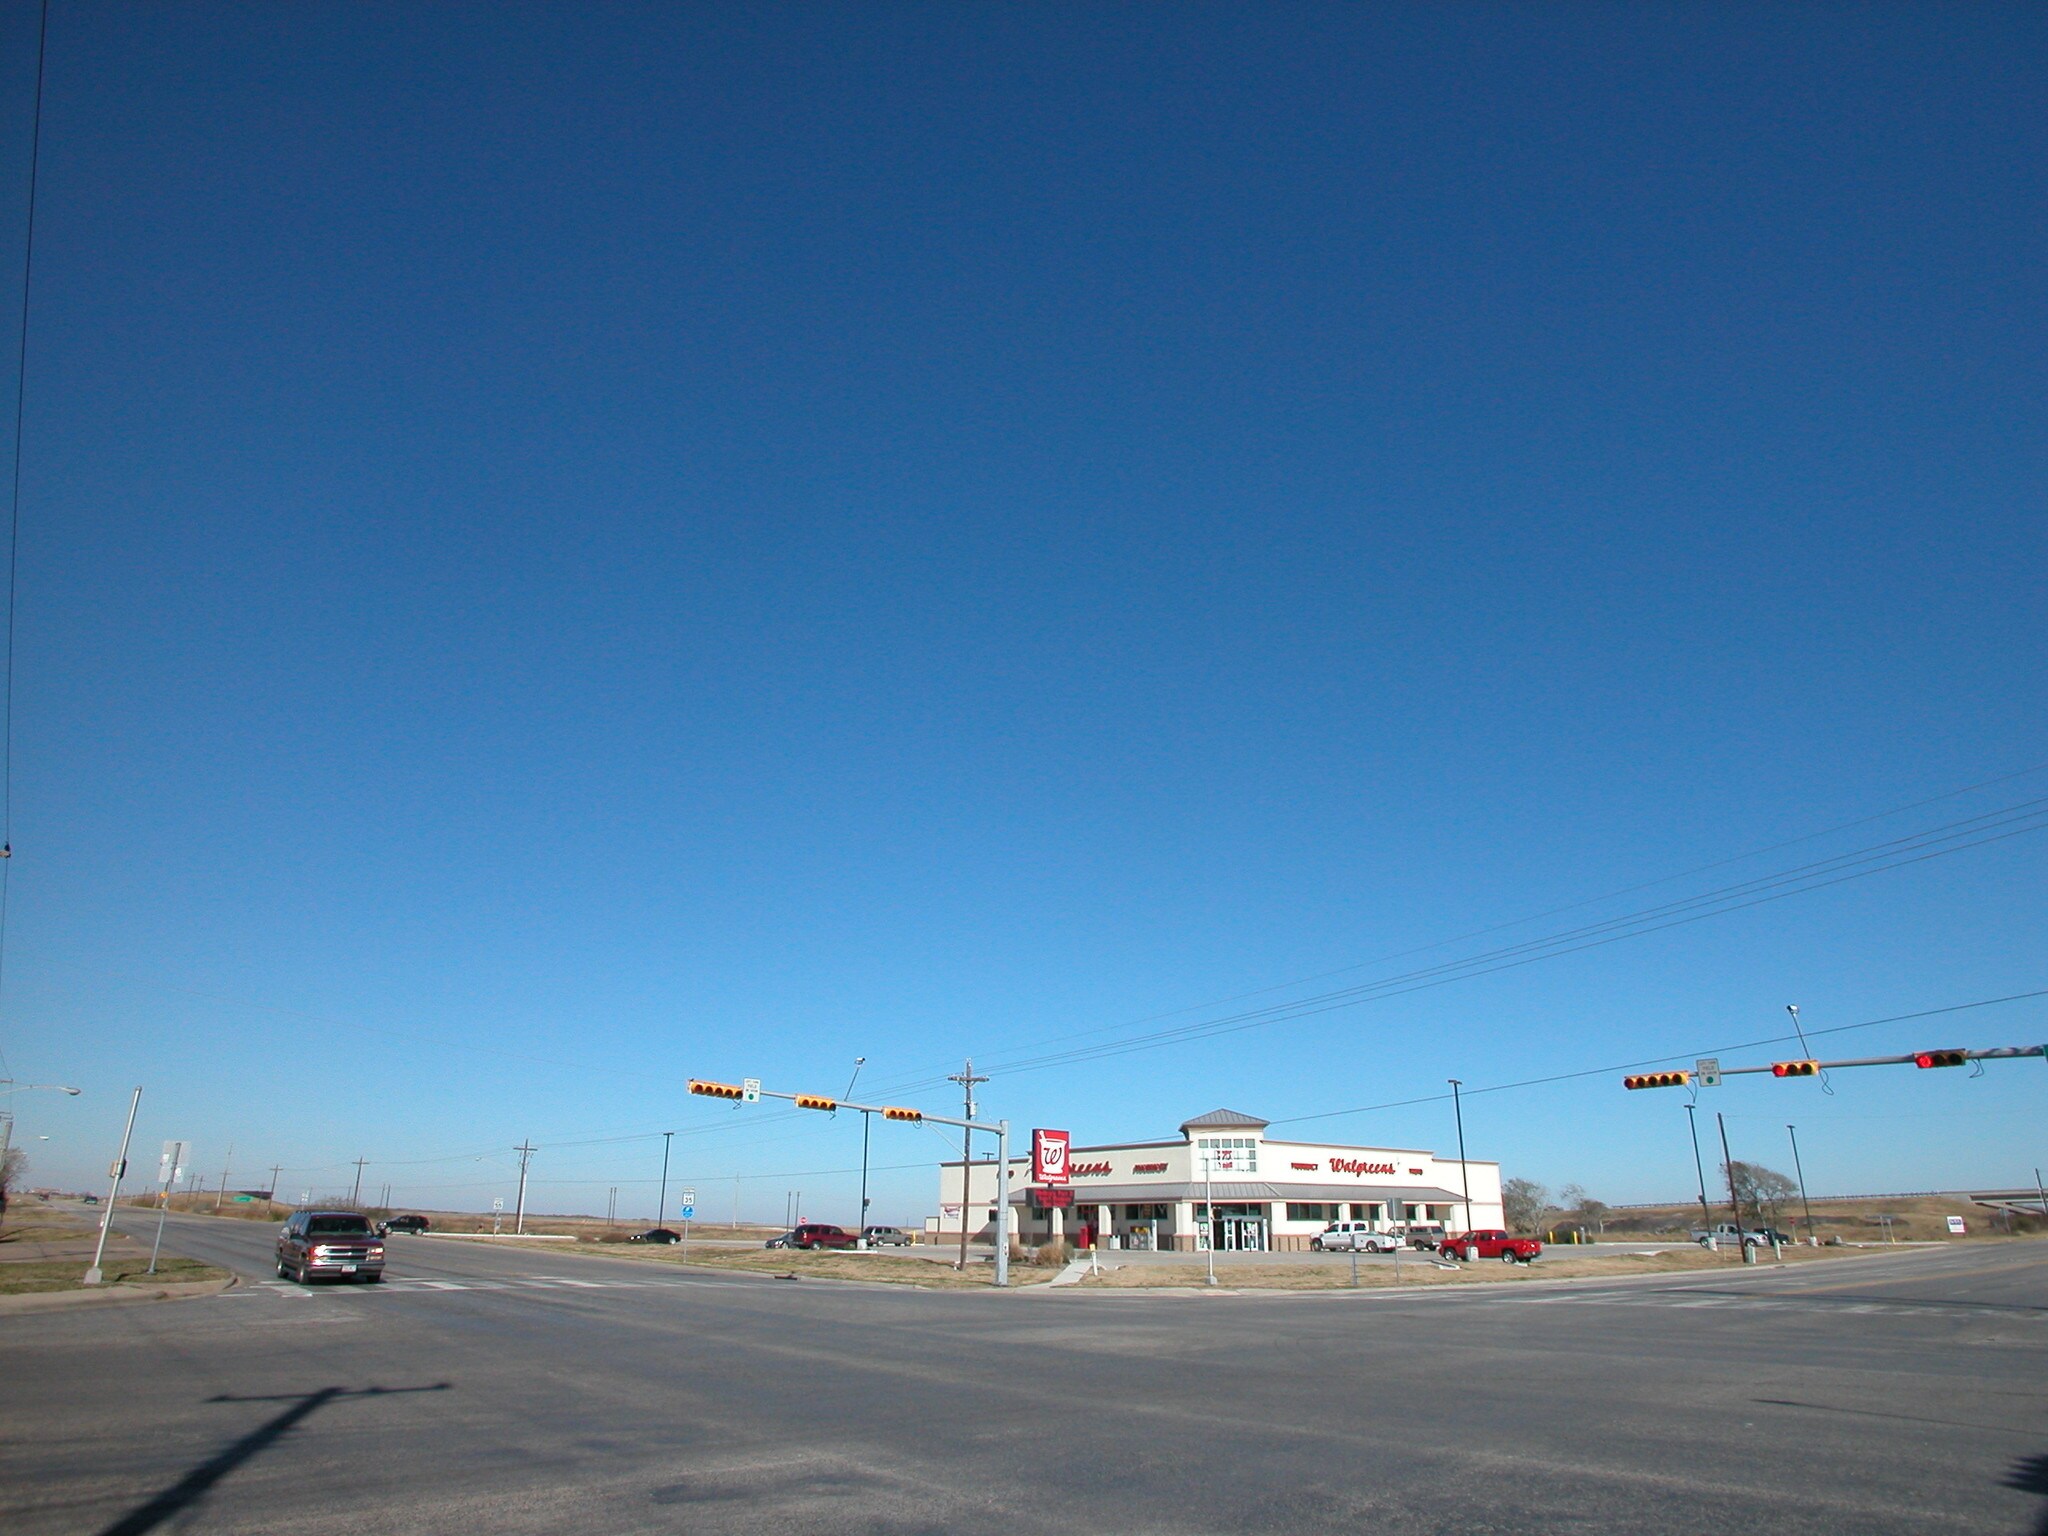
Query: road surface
482	1389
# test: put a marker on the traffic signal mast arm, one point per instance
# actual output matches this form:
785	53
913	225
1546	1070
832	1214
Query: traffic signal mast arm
820	1101
1804	1067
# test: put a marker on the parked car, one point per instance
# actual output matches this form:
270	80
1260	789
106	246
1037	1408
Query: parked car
1491	1243
1728	1232
1353	1237
657	1235
814	1235
780	1240
414	1225
341	1245
885	1237
1423	1234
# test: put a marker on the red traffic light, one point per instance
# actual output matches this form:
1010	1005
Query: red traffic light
1794	1068
1940	1058
1657	1080
717	1090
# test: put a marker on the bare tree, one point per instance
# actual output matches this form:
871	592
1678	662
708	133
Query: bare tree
1523	1202
1757	1187
12	1167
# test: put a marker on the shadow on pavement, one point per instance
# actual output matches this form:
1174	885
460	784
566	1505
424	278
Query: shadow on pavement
2030	1475
196	1484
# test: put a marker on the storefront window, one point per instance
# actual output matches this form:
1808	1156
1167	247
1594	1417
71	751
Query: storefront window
1299	1211
1230	1154
1367	1212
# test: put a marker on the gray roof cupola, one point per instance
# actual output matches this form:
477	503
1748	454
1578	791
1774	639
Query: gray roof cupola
1223	1120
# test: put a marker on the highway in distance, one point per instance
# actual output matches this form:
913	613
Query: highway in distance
485	1389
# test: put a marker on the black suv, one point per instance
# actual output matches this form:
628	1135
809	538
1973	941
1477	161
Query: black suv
414	1225
341	1244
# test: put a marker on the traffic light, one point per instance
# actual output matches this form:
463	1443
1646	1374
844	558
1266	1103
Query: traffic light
1794	1068
717	1090
897	1113
813	1101
1657	1080
1940	1058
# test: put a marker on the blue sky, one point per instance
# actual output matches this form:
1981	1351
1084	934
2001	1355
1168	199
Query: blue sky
564	549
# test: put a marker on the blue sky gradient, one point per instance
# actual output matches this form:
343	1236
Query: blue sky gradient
564	549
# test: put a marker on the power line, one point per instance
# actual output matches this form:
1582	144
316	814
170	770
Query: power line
1970	832
28	260
1652	1061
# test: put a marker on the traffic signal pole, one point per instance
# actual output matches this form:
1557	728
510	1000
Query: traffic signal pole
1001	1128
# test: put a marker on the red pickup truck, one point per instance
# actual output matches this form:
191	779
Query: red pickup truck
1491	1243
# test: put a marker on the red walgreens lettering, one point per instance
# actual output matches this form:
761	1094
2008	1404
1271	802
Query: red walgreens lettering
1148	1167
1304	1167
1354	1166
1089	1170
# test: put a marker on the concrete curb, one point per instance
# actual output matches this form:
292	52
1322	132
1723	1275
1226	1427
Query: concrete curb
113	1296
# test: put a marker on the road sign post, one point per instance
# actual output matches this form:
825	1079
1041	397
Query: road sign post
169	1169
1708	1071
689	1214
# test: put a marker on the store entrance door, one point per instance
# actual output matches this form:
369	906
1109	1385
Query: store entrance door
1240	1234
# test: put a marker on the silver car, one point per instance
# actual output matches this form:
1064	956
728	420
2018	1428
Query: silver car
1353	1237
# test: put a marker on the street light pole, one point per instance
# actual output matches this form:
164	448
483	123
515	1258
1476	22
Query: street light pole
1464	1171
525	1151
92	1274
1793	1132
1209	1213
1700	1168
661	1201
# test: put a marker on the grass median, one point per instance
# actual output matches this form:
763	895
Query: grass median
44	1250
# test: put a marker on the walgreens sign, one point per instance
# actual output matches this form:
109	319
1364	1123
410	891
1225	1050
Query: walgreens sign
1049	1157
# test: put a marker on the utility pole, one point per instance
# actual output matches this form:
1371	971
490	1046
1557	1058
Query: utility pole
275	1170
1700	1168
525	1151
355	1196
1464	1172
611	1209
1793	1132
661	1200
966	1078
223	1194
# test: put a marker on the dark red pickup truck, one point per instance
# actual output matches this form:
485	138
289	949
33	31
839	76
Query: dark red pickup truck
1491	1243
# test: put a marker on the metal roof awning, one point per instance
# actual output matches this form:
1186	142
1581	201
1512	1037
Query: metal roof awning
1237	1192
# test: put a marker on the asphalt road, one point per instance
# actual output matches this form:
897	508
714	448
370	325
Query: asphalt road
487	1390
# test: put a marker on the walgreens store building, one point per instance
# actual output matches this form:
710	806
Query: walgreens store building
1223	1183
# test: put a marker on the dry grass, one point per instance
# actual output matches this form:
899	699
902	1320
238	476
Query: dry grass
1422	1271
1857	1219
887	1268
